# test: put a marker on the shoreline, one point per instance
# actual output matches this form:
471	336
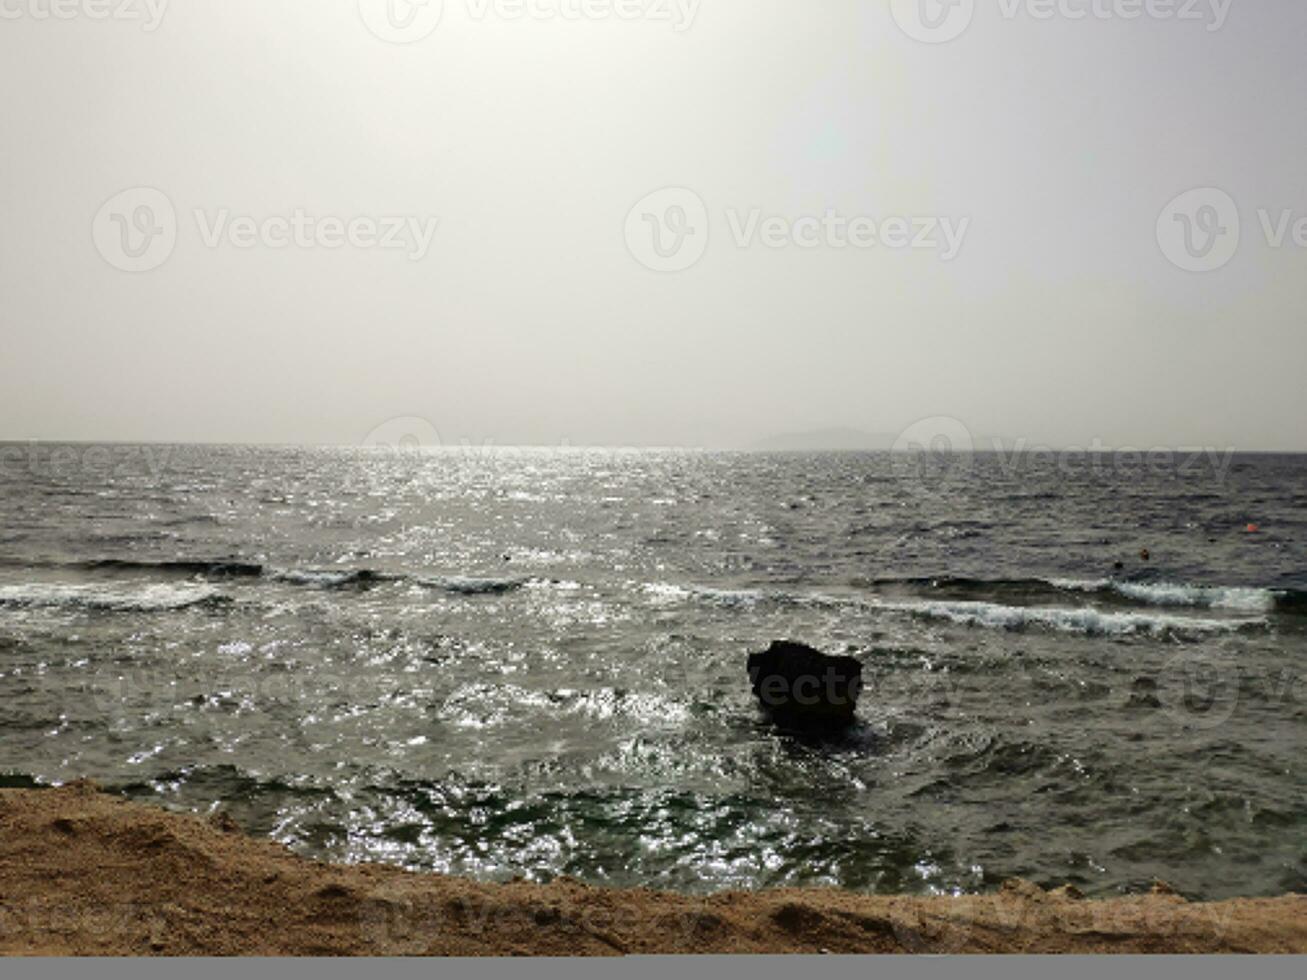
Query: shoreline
86	873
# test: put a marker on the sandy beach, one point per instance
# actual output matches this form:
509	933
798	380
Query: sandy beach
86	873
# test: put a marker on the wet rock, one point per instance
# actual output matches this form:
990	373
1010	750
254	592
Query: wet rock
804	689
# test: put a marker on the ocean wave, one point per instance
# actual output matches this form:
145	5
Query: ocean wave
219	568
1175	594
469	585
1247	599
307	577
330	579
455	584
208	519
1085	620
665	592
956	583
150	598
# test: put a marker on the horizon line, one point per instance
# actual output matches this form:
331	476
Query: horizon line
997	447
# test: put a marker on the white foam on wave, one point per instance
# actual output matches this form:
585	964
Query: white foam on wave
1081	585
149	598
1084	620
667	593
1177	594
1209	597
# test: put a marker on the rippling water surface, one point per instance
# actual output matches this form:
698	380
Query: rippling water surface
532	661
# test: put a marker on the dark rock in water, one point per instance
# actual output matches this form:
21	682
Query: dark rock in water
803	688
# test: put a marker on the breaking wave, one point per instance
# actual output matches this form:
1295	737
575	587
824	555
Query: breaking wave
331	579
667	593
1174	594
467	585
956	605
149	598
1085	620
454	584
1246	599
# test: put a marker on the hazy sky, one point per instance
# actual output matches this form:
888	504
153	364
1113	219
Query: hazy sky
1049	148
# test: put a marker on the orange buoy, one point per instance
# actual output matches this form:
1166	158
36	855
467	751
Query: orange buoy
1251	529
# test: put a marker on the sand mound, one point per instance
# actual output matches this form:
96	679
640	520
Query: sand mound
82	872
